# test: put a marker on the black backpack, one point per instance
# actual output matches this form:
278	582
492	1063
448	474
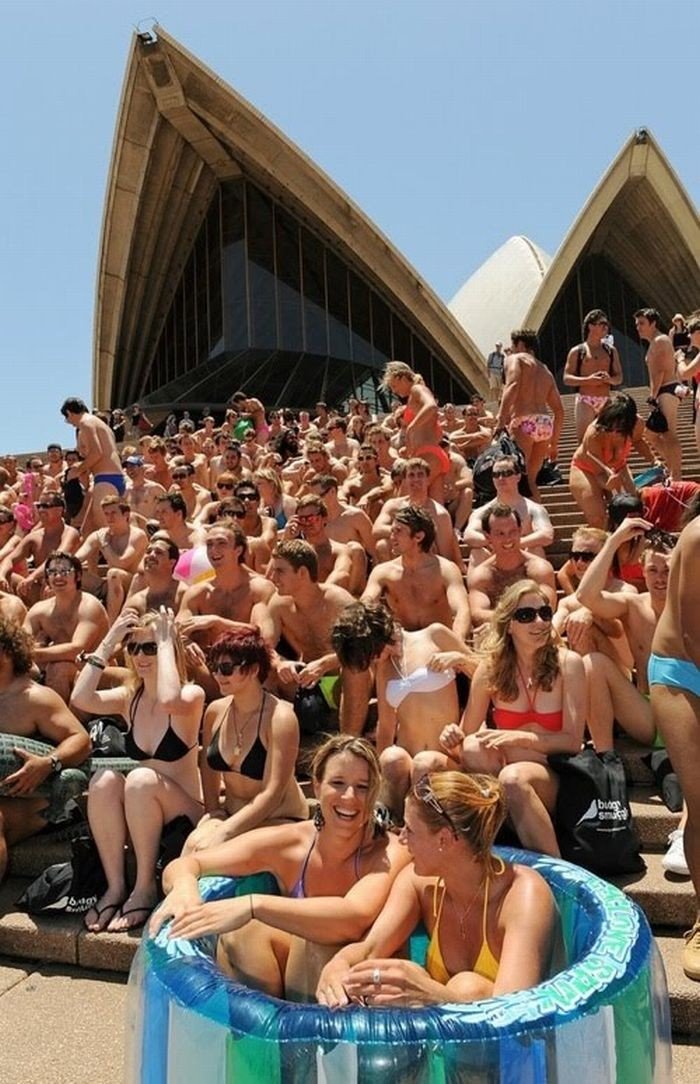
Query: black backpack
484	489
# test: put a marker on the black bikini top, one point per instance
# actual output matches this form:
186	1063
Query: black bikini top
252	766
170	747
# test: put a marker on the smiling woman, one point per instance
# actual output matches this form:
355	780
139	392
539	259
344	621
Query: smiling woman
334	873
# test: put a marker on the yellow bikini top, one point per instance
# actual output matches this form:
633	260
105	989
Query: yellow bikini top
486	963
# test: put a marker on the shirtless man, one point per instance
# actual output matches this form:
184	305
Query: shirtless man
592	368
255	524
161	589
537	529
348	525
189	456
416	485
157	465
319	461
52	533
67	623
674	678
380	439
121	545
663	381
195	496
529	395
171	514
142	493
12	608
472	437
335	560
417	586
638	613
340	446
459	487
54	466
30	711
508	564
369	486
234	597
100	459
304	612
415	682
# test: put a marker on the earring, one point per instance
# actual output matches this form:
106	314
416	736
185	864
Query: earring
319	819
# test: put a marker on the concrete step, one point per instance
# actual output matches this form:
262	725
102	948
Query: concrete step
60	938
666	900
30	858
653	820
684	993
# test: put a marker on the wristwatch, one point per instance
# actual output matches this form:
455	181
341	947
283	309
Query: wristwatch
56	764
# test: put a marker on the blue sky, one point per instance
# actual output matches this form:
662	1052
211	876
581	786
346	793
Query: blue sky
453	124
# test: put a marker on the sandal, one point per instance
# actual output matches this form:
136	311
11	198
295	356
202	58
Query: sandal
113	907
139	923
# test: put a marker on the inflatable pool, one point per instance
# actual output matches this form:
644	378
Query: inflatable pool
604	1016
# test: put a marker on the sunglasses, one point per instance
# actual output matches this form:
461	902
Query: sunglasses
425	793
60	570
525	615
364	458
225	667
224	485
179	477
308	518
42	506
509	473
148	647
249	496
581	555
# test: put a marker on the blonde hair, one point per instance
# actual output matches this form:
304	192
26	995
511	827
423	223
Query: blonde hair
147	621
358	747
591	534
499	650
395	370
473	807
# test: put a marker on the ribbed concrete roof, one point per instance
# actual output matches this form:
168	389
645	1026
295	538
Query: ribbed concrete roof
496	298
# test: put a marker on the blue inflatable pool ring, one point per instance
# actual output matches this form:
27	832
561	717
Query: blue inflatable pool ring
604	1017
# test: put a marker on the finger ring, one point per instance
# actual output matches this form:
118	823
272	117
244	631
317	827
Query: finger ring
377	977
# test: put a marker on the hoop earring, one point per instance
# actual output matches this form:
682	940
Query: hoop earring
319	819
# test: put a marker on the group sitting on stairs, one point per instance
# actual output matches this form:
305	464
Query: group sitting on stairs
256	581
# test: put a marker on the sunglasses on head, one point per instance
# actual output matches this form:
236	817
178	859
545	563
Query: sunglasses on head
581	555
525	615
425	793
507	472
147	647
225	667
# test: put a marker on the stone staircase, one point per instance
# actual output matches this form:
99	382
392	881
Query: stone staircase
668	901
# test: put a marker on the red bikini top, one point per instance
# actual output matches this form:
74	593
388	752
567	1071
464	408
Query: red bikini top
507	719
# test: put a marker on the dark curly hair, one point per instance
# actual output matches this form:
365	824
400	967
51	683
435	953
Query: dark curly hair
18	644
360	633
244	647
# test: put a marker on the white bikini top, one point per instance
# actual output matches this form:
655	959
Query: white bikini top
422	680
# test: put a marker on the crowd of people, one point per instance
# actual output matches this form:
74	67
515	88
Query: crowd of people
222	595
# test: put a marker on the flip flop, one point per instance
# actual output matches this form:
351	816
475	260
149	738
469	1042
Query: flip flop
145	911
113	907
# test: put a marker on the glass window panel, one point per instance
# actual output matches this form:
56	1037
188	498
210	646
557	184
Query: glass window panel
261	269
421	359
202	294
190	315
235	301
338	316
314	290
360	320
381	330
216	316
401	340
289	298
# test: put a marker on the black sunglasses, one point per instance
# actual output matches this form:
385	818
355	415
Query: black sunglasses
582	555
248	496
525	615
148	647
504	473
224	485
225	667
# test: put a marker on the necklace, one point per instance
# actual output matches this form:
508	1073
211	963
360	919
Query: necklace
527	683
240	731
463	915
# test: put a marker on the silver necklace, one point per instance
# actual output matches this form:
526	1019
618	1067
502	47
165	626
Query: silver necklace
240	731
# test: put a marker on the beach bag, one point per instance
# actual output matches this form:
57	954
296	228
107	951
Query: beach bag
67	887
484	489
107	738
656	422
313	711
593	819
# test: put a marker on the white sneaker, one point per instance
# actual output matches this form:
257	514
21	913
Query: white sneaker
674	859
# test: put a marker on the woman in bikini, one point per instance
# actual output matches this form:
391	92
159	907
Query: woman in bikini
251	741
334	874
592	368
490	923
420	417
163	711
599	464
537	691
